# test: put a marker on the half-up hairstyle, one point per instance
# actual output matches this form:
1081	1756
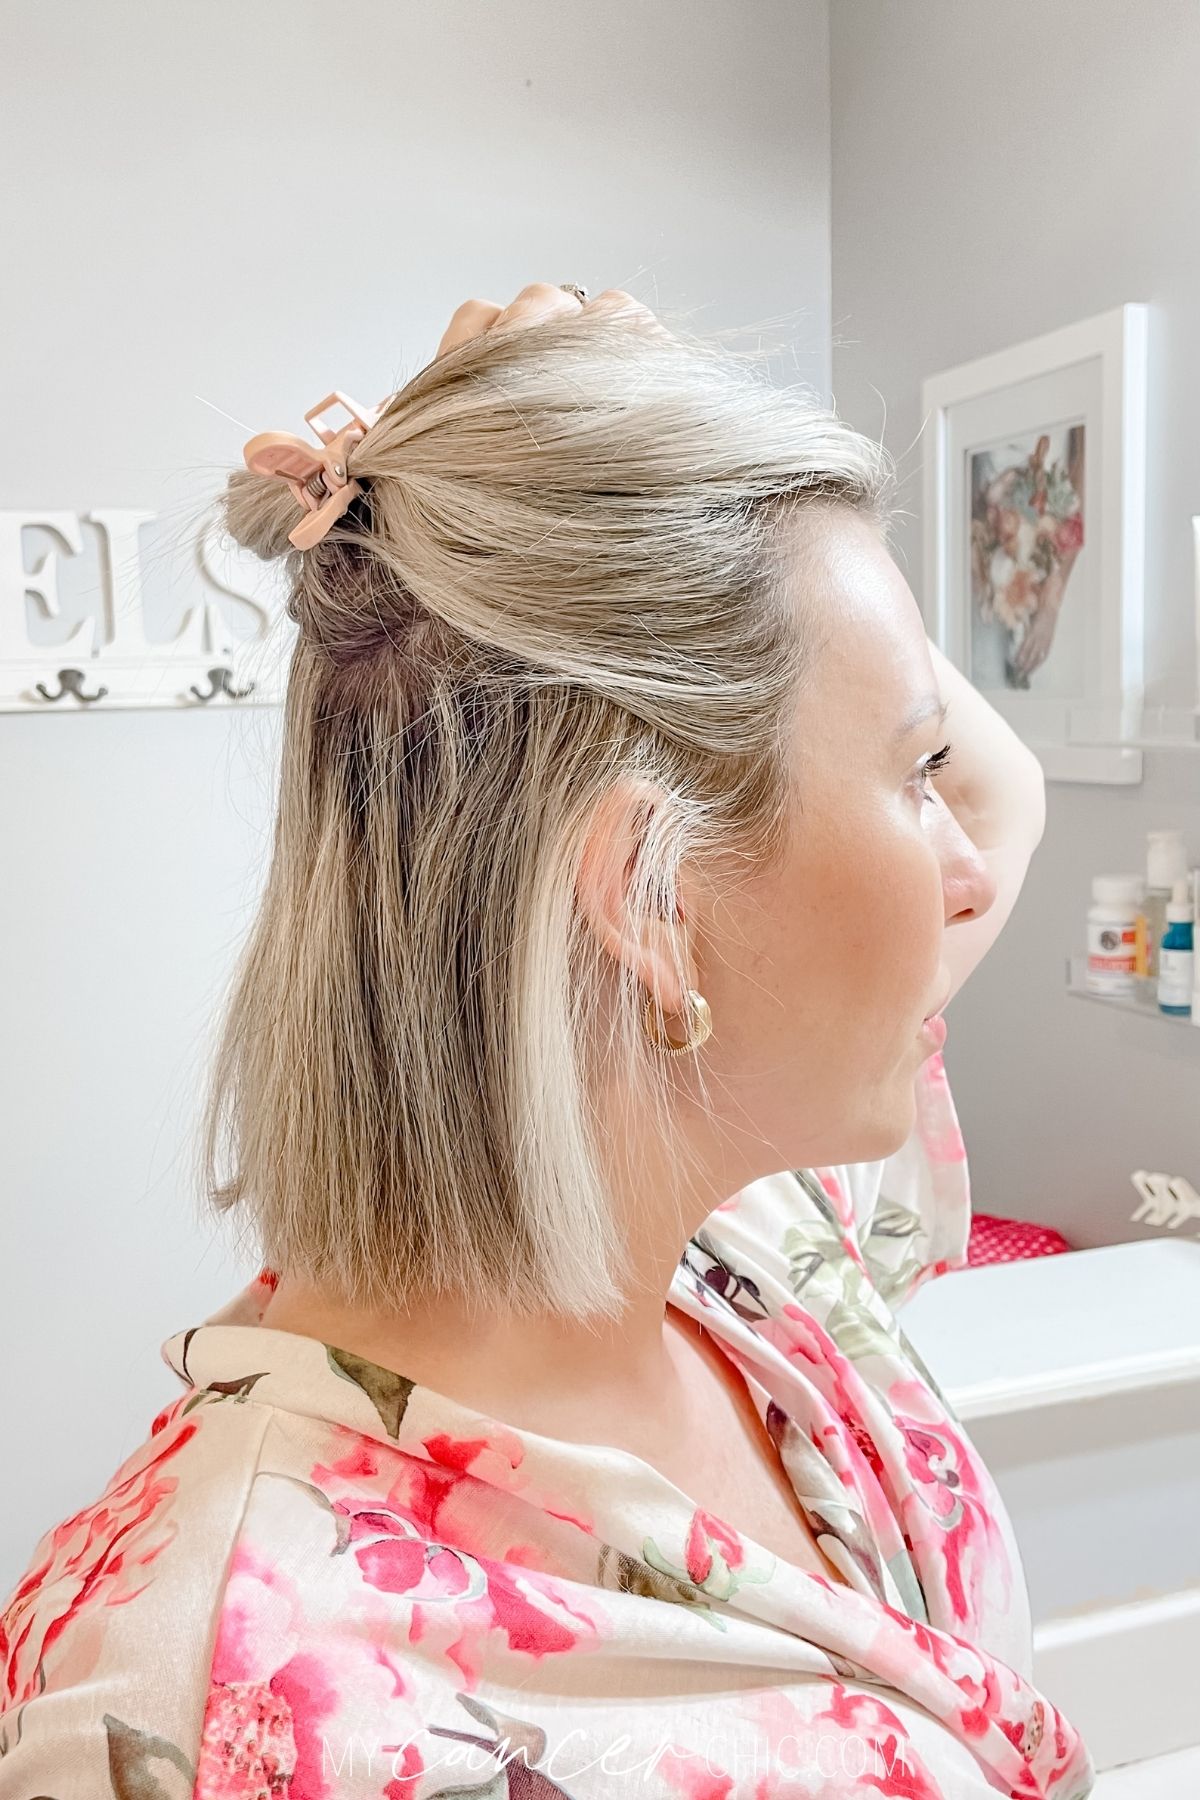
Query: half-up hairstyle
566	569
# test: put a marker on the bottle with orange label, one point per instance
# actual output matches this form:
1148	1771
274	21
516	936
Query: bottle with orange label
1117	901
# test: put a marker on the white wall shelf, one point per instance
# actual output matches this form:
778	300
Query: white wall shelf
1142	1001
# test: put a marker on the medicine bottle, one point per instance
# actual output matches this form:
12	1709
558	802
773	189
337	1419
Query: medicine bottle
1175	954
1111	928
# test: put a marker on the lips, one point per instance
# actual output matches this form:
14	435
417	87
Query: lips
938	1009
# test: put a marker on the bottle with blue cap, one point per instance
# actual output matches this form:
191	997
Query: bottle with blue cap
1175	956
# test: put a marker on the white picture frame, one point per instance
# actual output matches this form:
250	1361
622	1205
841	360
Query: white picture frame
1034	537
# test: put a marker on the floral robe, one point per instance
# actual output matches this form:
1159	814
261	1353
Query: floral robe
318	1579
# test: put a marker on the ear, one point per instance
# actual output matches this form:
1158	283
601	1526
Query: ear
282	454
610	852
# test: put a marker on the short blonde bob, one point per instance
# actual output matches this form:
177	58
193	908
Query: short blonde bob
567	568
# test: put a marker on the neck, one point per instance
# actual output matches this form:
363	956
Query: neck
540	1371
537	1371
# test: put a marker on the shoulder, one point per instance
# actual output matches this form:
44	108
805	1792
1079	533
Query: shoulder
104	1642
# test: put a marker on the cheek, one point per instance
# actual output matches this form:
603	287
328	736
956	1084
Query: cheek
819	981
883	909
833	956
915	884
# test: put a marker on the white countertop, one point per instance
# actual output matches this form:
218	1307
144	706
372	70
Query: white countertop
1006	1336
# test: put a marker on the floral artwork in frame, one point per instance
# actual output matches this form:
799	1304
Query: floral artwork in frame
1035	533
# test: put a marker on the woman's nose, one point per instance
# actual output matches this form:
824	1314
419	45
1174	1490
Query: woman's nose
967	882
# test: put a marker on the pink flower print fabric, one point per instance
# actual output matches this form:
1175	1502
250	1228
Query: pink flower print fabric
319	1579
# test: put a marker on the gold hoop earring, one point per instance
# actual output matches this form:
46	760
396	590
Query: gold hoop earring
665	1042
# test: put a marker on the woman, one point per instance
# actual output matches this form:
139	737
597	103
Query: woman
564	1445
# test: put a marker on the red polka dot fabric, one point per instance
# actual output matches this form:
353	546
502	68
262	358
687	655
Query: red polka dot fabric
997	1240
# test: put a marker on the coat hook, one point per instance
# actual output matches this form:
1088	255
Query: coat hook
70	681
221	681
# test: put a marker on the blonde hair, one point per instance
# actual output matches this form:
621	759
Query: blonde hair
567	568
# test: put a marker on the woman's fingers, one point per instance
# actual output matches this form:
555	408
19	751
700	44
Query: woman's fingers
468	321
616	300
538	300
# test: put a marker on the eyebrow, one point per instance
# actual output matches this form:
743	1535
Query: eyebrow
932	705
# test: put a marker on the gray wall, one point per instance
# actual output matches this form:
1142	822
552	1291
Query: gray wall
255	204
998	174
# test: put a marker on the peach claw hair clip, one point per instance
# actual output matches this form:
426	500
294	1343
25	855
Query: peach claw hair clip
316	476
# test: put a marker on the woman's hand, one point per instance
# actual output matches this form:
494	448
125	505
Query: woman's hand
995	787
540	300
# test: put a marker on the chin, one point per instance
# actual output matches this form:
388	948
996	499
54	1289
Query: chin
879	1137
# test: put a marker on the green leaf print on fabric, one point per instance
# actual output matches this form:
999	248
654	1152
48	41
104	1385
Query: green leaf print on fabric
715	1559
521	1747
388	1392
616	1569
859	1317
140	1765
894	1224
821	1494
240	1388
39	1676
824	1279
135	1760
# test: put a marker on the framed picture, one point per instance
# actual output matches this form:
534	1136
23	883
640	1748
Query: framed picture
1035	499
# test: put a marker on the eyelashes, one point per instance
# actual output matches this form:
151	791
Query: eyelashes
933	766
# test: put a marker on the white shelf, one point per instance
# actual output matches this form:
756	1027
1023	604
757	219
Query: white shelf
1142	1002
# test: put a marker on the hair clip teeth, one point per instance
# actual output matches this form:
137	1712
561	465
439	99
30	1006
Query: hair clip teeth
317	477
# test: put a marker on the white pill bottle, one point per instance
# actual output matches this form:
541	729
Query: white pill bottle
1112	933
